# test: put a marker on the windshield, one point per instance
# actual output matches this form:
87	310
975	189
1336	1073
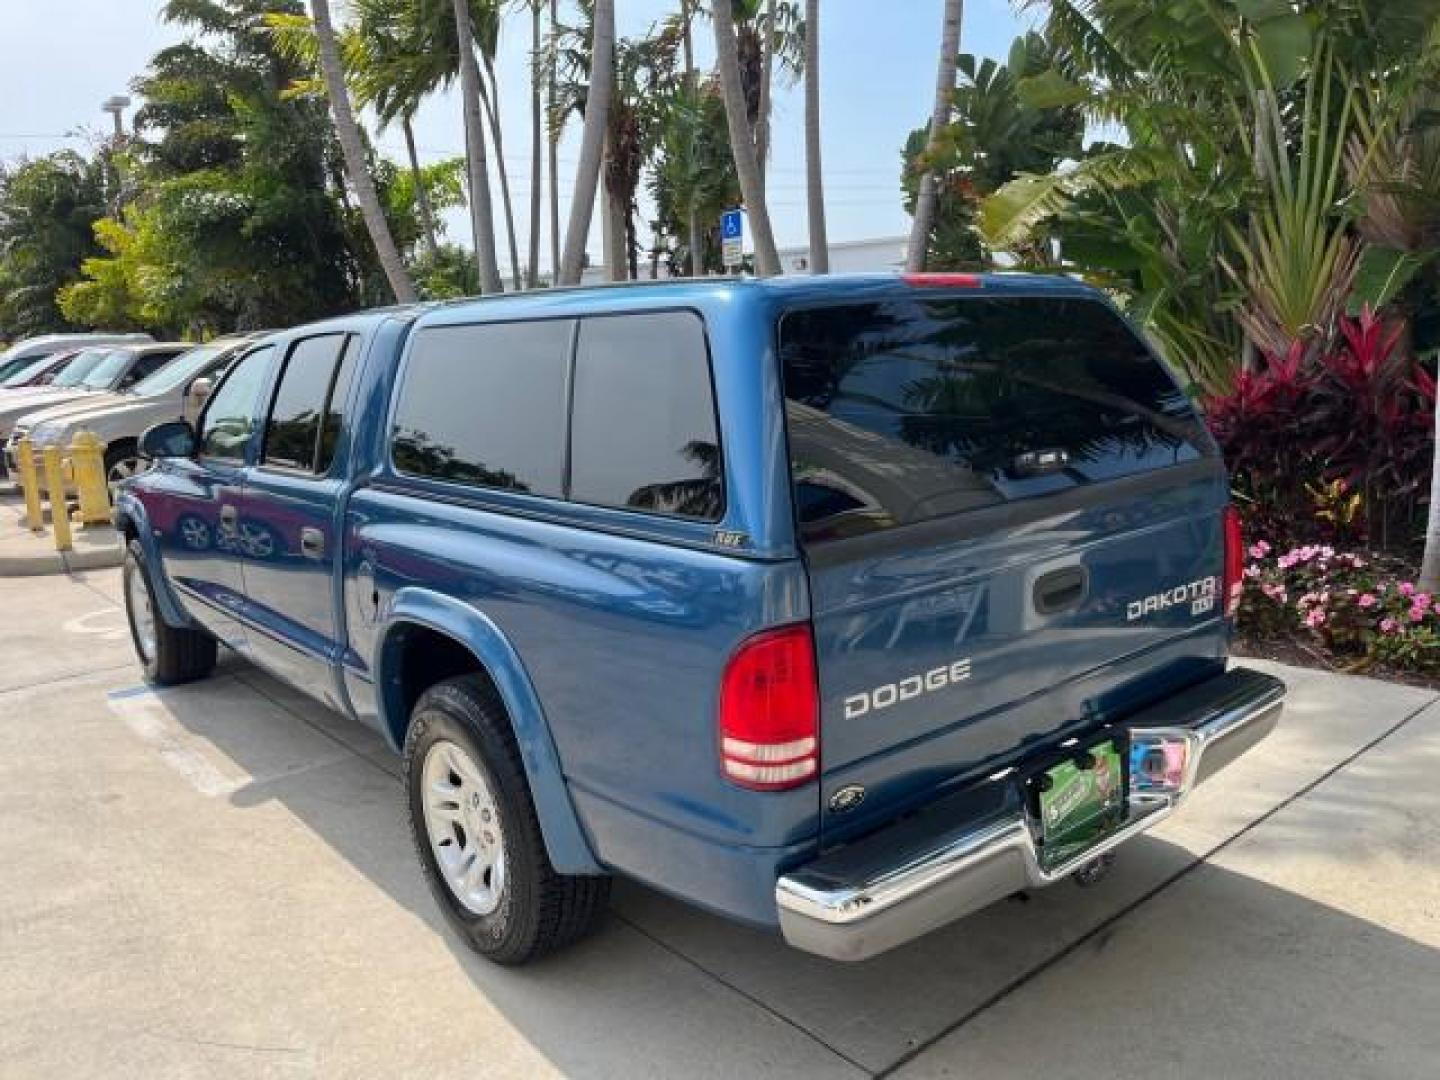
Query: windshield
80	365
27	370
108	372
178	371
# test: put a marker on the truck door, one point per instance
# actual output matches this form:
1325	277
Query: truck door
288	513
198	516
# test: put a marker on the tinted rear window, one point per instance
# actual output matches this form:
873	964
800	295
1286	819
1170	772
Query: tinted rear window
643	430
486	405
907	410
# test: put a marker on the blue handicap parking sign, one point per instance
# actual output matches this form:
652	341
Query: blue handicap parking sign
732	225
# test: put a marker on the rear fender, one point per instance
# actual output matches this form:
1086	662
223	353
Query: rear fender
565	840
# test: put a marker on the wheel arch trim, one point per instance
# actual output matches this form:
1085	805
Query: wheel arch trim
565	841
130	513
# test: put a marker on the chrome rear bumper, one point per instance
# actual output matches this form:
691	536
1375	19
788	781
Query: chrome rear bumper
909	879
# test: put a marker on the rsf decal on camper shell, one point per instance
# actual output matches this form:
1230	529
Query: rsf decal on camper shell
1200	595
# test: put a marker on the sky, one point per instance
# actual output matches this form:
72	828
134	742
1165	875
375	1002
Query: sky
59	59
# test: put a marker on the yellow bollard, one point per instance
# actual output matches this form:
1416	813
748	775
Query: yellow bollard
87	463
55	489
30	482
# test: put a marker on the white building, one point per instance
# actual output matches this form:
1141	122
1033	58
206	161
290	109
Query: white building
850	256
886	253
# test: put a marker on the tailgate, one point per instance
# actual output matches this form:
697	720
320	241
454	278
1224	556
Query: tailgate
1012	522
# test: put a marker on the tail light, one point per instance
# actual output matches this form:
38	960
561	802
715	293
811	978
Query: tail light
770	711
1234	580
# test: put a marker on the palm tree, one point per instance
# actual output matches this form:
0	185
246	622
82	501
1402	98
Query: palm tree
694	238
814	182
532	275
939	119
490	100
742	145
347	132
553	128
481	220
592	141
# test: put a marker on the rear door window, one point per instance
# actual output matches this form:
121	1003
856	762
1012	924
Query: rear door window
643	426
907	410
486	405
299	412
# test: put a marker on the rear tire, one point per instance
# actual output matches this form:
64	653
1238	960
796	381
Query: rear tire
515	906
167	655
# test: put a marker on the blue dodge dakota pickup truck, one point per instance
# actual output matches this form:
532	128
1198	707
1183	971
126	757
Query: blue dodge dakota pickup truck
843	606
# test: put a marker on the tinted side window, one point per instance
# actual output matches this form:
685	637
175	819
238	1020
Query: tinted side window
335	407
229	416
912	409
486	405
149	363
643	426
292	430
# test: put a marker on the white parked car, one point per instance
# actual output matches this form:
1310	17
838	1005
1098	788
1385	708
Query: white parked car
176	391
28	353
91	372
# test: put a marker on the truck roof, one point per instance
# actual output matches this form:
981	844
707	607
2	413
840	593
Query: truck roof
808	288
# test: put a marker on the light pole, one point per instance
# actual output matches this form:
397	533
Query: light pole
116	107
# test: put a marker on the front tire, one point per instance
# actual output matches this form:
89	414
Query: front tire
168	655
477	835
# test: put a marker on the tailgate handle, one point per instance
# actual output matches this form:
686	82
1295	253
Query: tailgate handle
1060	590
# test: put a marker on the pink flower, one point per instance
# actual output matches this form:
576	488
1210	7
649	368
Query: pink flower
1259	549
1274	592
1367	600
1417	613
1407	588
1389	626
1315	618
1422	601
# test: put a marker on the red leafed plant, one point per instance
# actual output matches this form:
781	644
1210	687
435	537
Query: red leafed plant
1362	414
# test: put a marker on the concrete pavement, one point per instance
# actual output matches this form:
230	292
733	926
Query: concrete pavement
25	553
217	880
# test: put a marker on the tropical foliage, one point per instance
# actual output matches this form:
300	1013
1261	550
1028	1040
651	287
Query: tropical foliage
1256	139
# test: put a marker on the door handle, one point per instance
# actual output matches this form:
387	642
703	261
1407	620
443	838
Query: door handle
1061	590
312	543
229	515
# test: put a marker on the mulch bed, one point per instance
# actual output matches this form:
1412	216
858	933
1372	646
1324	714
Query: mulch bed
1300	652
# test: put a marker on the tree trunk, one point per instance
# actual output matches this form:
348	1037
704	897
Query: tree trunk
692	215
532	276
554	137
1429	580
490	98
939	120
742	143
814	180
592	141
422	195
482	222
347	131
767	75
616	225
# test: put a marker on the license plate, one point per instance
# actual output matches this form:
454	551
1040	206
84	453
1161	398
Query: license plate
1082	800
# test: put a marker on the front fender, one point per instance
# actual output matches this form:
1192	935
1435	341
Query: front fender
565	840
130	514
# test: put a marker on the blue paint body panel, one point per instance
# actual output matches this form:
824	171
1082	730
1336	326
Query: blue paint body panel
607	631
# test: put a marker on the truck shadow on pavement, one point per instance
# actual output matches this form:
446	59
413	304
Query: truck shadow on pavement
1168	964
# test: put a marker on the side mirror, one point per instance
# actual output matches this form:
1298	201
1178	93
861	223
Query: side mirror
172	439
